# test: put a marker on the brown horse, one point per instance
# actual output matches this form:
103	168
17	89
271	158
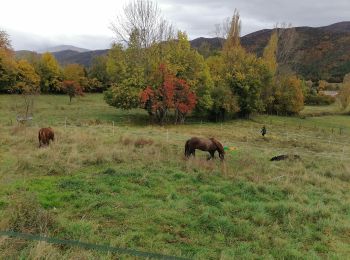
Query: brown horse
210	145
45	135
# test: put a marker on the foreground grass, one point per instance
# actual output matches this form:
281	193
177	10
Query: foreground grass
129	186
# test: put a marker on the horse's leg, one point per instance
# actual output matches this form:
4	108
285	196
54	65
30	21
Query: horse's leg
211	155
193	152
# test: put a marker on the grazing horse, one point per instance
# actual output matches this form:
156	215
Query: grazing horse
210	145
45	135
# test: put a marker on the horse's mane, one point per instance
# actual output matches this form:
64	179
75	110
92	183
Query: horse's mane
218	145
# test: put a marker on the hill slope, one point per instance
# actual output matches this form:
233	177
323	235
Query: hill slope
63	48
317	53
83	58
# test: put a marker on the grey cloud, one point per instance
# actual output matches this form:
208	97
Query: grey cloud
33	42
199	17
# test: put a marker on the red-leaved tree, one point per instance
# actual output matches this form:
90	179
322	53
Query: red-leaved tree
72	89
169	93
184	100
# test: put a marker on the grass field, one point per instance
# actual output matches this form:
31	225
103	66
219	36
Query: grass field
128	185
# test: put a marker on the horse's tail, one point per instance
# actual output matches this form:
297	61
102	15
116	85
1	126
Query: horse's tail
219	147
187	148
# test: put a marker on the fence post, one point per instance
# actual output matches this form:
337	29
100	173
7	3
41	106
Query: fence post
113	127
167	135
65	122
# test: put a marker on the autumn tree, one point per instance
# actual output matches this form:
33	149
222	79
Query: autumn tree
186	63
72	89
75	72
8	66
244	73
168	93
27	84
344	93
285	92
50	74
234	33
270	53
289	98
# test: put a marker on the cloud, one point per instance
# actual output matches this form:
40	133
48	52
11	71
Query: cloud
198	17
36	24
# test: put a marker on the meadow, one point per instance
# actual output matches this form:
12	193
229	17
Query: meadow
113	178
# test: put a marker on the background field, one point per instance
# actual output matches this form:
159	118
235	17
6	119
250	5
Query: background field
128	185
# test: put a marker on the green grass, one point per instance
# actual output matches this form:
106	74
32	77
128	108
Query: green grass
95	185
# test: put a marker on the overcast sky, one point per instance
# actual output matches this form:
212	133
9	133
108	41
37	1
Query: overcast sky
37	24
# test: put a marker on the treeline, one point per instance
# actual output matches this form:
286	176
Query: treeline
153	68
157	70
43	74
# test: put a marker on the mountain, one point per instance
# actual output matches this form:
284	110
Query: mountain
316	53
63	48
83	58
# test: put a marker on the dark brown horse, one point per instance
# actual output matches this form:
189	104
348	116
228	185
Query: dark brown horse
45	135
210	145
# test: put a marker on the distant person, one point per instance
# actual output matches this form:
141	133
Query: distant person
263	131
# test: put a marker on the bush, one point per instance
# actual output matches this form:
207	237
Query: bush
25	214
319	100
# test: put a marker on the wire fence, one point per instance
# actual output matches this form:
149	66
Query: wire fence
90	246
339	142
282	139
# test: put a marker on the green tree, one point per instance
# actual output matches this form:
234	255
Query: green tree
126	69
98	76
225	103
116	64
50	74
245	74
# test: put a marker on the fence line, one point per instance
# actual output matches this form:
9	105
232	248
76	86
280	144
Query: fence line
104	248
327	139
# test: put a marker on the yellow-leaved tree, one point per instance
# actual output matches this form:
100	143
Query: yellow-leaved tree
50	74
27	84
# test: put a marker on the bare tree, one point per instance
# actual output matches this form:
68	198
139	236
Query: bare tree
145	17
222	29
286	44
5	42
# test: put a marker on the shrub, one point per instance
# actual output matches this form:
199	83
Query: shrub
141	142
25	214
319	100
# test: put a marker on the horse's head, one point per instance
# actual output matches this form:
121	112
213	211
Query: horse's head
219	148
